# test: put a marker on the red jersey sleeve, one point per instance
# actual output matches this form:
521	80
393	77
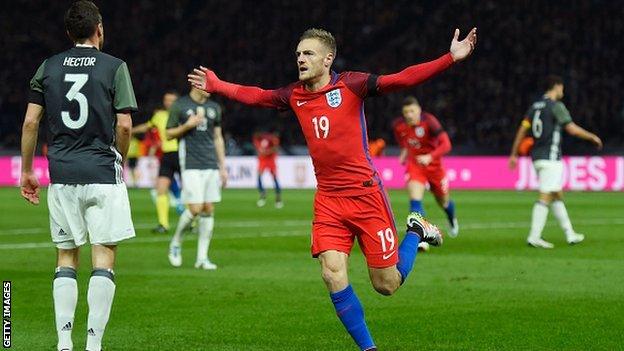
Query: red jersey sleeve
413	75
254	96
444	146
360	83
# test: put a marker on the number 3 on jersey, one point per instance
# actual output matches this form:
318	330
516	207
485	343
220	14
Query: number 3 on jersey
321	127
74	93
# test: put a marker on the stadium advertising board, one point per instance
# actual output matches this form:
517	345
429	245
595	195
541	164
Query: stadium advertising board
296	172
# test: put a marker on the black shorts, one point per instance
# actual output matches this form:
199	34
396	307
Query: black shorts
169	165
132	162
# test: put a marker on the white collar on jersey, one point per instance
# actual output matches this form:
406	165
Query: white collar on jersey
84	46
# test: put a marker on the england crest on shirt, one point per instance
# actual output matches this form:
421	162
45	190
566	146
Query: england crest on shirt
420	132
334	99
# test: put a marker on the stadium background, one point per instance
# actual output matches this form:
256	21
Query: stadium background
480	102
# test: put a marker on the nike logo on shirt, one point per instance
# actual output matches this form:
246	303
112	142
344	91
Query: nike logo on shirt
300	103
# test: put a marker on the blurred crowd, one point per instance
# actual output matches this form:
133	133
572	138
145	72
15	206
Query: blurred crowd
480	102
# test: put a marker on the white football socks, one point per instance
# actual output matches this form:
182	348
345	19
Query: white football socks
100	299
65	293
561	213
186	218
538	220
206	225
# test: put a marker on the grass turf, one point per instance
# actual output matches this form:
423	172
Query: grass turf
485	290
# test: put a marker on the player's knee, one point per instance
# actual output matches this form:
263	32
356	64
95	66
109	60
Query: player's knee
208	208
195	210
385	286
334	275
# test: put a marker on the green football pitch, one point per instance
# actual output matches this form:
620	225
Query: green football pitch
485	290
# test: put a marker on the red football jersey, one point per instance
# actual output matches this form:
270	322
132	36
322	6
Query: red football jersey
266	144
420	139
333	123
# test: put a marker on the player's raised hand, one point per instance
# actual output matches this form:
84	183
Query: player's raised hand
462	49
30	187
424	160
204	79
194	120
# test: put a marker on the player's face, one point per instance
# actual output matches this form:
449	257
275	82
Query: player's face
411	113
168	100
559	91
313	59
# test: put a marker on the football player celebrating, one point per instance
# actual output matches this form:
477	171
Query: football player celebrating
350	201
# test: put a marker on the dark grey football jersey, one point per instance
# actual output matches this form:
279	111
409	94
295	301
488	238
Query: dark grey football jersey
547	118
81	90
196	148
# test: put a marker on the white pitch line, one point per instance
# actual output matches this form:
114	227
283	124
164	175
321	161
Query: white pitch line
295	233
157	239
221	224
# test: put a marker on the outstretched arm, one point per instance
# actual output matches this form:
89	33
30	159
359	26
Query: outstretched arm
207	80
417	74
577	131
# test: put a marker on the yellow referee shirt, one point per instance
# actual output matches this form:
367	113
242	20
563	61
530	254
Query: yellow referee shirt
159	120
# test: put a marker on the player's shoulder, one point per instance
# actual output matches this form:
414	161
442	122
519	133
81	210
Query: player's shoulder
429	117
559	104
213	104
288	88
399	123
350	78
352	75
182	100
100	58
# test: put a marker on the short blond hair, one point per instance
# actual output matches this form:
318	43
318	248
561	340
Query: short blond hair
325	37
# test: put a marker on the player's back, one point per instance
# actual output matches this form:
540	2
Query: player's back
83	89
546	124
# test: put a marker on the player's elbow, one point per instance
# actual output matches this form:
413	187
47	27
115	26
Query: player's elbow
572	129
30	124
169	134
124	125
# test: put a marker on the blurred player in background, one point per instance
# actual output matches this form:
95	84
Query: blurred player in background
196	121
350	201
267	147
131	160
87	97
169	164
423	143
544	121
